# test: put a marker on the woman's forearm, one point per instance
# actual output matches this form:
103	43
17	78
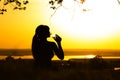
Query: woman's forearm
61	51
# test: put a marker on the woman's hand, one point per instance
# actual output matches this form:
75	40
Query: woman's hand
57	38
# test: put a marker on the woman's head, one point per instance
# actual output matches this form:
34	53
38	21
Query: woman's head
43	31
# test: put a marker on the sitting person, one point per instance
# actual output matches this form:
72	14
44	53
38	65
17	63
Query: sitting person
42	49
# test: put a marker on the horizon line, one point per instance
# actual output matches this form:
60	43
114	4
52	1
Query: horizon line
63	49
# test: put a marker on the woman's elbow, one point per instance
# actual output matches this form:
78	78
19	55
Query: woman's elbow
62	57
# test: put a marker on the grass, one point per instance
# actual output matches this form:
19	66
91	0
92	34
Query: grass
24	69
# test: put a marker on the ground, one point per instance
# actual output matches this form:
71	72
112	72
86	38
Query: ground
25	69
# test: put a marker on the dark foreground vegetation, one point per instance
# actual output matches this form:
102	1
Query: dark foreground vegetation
73	69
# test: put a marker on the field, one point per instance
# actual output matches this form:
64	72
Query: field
74	69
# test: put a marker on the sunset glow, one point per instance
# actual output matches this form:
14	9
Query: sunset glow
92	25
98	22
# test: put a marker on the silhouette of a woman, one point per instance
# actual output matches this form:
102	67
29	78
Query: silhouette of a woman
43	50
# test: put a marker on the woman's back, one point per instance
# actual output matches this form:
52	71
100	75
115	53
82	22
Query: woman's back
42	51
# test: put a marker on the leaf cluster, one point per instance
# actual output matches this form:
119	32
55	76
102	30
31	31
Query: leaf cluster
53	3
2	11
15	3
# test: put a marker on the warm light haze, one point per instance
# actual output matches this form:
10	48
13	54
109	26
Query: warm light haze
92	25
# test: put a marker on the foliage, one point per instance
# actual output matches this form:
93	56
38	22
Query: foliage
20	5
56	4
17	4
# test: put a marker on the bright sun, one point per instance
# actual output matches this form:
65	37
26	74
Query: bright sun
94	19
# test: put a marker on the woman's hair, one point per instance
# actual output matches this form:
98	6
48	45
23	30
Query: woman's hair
42	30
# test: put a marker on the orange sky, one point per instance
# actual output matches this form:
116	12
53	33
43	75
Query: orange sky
97	28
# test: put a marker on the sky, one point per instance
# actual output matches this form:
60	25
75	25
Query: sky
92	25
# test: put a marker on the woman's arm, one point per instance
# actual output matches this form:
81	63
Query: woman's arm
58	48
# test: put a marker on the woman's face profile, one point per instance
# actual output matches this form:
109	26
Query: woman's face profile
48	33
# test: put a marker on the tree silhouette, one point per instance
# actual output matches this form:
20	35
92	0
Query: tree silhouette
16	4
56	4
20	5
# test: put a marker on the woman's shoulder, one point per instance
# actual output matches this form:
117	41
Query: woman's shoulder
50	42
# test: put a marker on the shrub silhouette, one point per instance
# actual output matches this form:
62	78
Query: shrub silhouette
98	63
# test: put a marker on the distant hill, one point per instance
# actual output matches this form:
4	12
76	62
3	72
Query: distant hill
102	52
15	52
